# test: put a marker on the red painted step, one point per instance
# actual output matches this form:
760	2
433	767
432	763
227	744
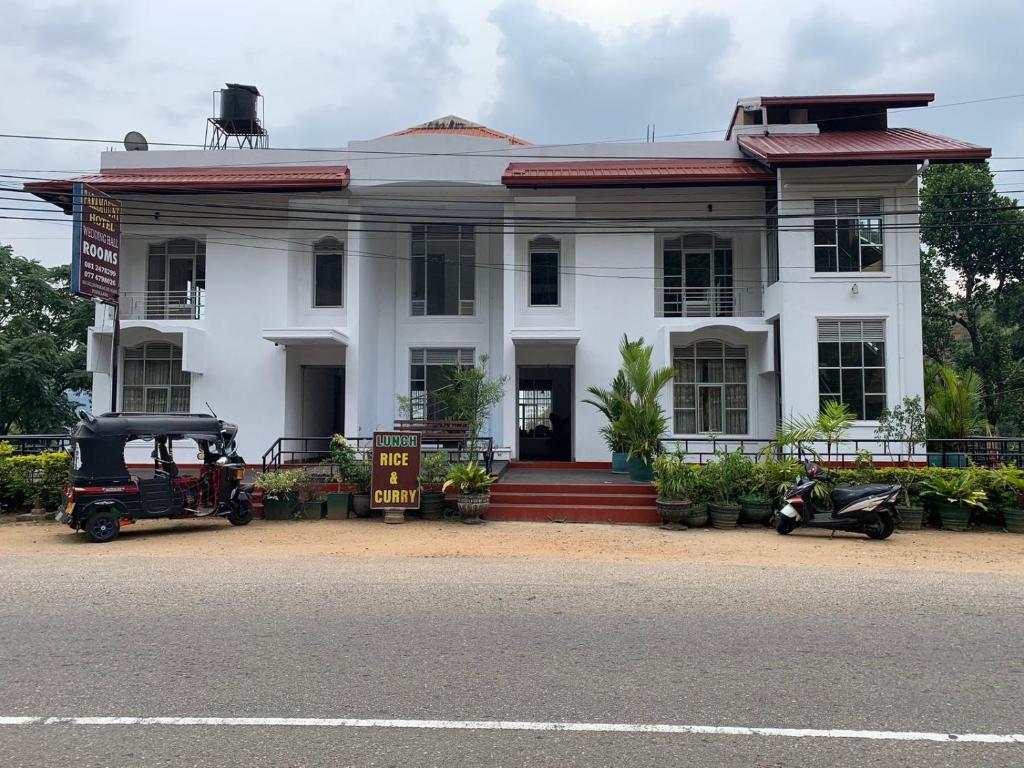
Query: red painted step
544	513
567	499
617	489
562	465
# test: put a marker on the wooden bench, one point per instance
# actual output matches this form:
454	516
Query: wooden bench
451	435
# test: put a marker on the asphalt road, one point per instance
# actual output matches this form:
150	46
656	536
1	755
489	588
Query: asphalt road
537	641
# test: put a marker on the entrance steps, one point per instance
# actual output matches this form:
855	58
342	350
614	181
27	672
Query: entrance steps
537	492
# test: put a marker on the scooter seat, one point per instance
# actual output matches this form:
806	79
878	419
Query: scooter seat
846	494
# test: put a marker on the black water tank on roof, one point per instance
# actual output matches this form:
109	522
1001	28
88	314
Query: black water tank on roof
238	108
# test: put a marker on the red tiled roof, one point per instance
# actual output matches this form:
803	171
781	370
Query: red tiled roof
225	178
460	126
886	145
639	172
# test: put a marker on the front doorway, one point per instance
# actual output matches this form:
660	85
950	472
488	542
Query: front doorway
323	400
544	412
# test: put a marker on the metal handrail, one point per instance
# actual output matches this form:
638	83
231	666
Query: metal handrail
163	305
944	452
310	451
710	301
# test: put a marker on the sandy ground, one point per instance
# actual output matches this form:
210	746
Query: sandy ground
928	550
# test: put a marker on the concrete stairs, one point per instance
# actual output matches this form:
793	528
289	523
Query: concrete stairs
606	502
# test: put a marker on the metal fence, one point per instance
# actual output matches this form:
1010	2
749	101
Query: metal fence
311	452
32	444
962	452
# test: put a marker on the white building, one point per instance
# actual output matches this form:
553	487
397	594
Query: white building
298	292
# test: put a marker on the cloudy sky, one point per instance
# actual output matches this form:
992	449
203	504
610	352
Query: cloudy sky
547	70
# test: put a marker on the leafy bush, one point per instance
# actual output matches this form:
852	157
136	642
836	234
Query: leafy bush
434	469
674	477
343	457
281	483
469	478
24	478
730	475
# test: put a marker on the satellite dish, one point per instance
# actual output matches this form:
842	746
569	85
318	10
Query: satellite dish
135	142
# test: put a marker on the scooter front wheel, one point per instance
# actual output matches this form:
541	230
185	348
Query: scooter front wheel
785	525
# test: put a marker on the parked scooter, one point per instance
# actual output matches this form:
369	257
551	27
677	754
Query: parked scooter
868	509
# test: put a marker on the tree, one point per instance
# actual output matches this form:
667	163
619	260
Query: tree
469	394
642	420
954	400
42	345
977	236
610	401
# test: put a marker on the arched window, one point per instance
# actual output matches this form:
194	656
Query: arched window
328	273
545	269
153	381
709	393
175	279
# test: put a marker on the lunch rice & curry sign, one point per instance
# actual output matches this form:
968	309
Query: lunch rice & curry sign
394	482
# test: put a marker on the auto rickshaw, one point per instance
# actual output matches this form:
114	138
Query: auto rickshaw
102	497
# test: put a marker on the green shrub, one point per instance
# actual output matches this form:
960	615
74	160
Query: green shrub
23	478
674	477
280	484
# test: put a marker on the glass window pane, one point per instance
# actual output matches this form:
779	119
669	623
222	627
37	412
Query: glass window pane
156	400
828	354
710	371
710	399
132	371
850	354
849	246
673	264
544	279
179	399
825	258
824	232
828	381
873	406
684	396
158	372
874	380
419	276
736	371
328	280
736	422
736	396
178	376
871	258
853	390
131	399
874	353
686	422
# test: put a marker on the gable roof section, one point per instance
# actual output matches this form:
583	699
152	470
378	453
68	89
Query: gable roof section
453	124
887	145
636	173
198	180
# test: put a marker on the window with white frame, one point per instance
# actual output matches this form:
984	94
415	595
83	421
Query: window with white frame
328	273
428	376
153	380
443	269
851	365
175	280
709	392
848	235
697	276
545	257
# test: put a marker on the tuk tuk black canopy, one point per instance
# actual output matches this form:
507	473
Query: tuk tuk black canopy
100	440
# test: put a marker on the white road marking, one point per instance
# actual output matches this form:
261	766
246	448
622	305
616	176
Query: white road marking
507	725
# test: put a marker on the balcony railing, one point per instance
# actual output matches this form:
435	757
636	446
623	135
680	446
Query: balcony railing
163	305
703	302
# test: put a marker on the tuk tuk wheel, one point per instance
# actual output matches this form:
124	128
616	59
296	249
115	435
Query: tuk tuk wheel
241	514
102	527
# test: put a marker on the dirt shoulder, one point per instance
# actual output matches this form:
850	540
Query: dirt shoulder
993	552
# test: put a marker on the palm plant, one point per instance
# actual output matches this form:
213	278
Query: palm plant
610	401
955	407
831	426
642	421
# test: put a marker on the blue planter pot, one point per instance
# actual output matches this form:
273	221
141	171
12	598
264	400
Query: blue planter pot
619	463
640	471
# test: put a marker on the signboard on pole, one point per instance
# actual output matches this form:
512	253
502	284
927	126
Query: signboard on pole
394	482
96	244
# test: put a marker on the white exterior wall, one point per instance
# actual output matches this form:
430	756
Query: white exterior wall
263	280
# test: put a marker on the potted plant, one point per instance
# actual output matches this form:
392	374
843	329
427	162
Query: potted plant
728	475
343	457
954	494
434	469
609	401
359	479
672	479
314	507
955	410
474	484
911	515
756	502
642	421
1010	480
280	492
